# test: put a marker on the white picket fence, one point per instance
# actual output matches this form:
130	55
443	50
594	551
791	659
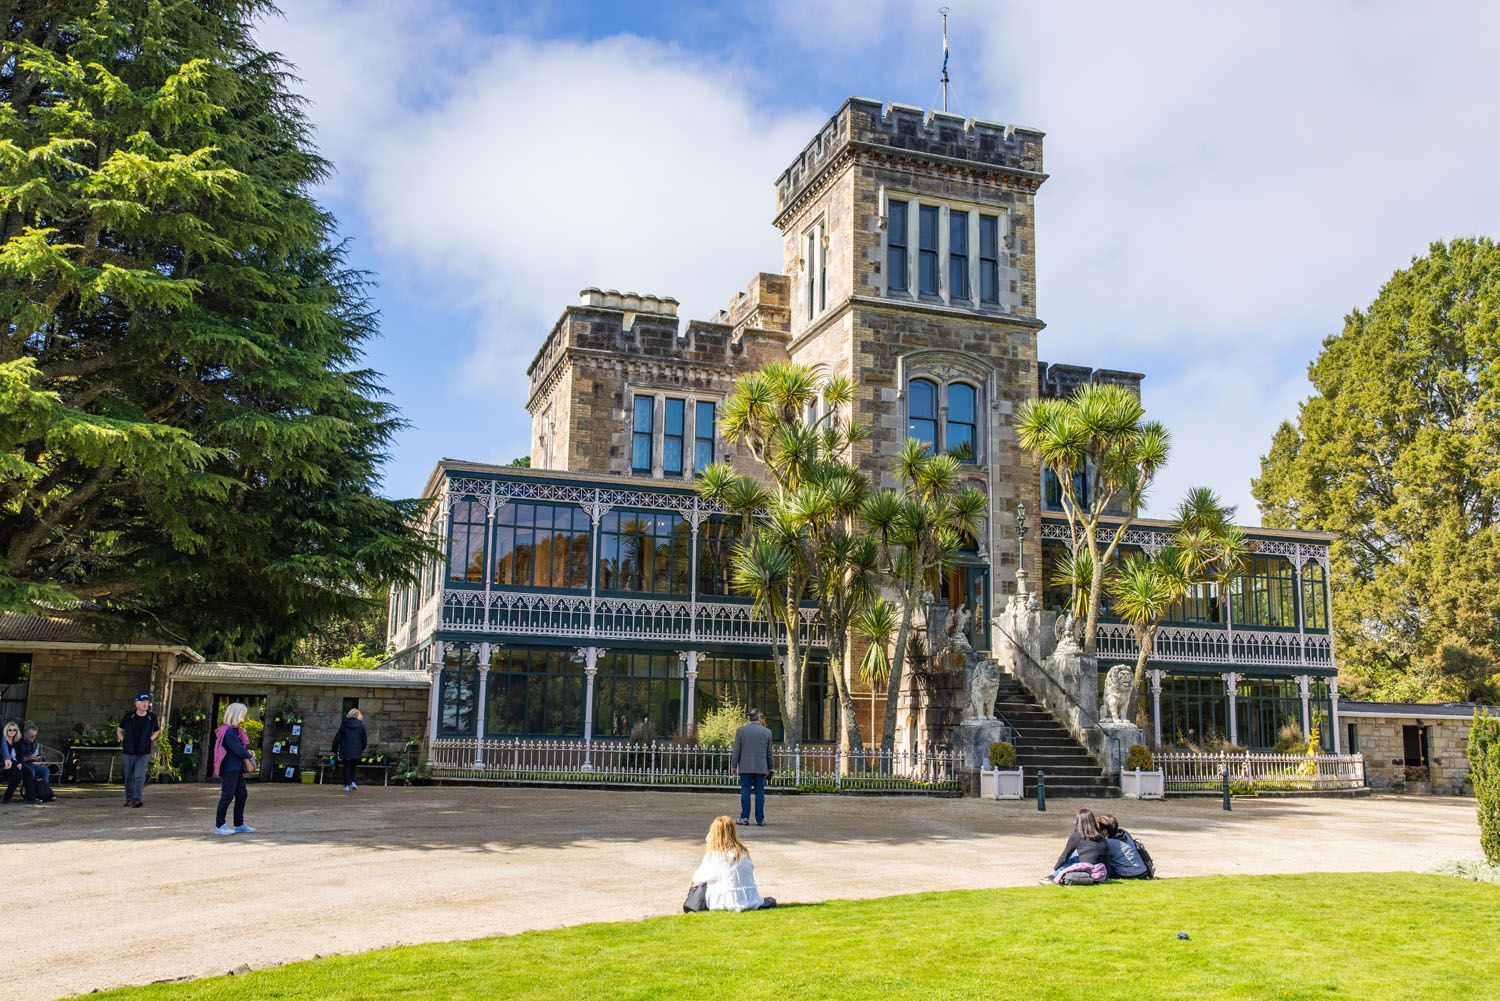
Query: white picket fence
1255	770
815	768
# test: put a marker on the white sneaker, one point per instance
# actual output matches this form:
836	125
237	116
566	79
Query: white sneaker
226	829
353	785
346	788
244	829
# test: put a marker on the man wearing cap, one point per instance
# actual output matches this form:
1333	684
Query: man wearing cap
137	734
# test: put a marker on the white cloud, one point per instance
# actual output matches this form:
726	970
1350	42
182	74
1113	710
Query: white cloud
542	167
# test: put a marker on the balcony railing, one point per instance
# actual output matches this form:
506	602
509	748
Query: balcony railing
1216	645
581	616
662	765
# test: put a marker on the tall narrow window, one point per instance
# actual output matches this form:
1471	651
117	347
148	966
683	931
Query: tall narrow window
640	441
466	543
927	251
703	437
673	430
921	411
810	266
960	437
958	255
896	279
822	269
989	258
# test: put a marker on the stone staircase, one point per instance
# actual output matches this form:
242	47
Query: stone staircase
1043	744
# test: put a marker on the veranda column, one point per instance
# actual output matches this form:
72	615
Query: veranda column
590	655
434	696
484	687
1303	682
1155	675
690	660
1333	705
1231	689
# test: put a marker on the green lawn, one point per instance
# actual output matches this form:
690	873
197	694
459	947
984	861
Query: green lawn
1365	937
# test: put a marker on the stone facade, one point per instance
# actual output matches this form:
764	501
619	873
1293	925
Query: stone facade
1382	739
90	687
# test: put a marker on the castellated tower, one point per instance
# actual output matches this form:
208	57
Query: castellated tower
909	242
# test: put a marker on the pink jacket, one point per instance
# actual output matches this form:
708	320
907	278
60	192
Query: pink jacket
219	751
1096	871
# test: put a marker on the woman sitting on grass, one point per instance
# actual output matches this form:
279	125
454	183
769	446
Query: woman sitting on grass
728	871
1085	850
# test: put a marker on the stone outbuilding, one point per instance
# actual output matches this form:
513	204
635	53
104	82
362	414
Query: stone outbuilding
1400	738
394	705
60	675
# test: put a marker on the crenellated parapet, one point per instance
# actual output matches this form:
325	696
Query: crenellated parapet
1060	381
905	132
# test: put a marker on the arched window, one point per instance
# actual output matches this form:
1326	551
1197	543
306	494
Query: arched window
921	411
959	436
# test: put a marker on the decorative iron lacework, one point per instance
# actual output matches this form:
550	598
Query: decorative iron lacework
1153	539
1195	645
604	618
495	492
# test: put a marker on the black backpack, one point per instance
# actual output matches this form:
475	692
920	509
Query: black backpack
1140	849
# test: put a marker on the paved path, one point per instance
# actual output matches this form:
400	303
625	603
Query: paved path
115	896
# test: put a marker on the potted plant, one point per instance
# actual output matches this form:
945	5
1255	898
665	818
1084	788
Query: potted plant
1001	779
1418	779
1138	779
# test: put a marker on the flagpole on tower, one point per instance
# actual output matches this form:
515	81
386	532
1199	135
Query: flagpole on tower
944	11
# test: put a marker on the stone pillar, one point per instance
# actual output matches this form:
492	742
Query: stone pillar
1333	718
1231	687
1303	682
590	655
690	660
483	686
1155	674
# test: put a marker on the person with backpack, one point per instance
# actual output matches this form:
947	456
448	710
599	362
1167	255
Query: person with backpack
349	744
1126	858
232	759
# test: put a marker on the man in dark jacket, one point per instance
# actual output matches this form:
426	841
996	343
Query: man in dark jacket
137	734
349	744
751	759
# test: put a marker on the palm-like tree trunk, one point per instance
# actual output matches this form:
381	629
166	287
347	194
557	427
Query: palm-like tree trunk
849	738
792	675
1096	590
898	670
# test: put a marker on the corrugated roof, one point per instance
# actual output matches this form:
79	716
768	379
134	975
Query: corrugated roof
1457	709
44	629
280	674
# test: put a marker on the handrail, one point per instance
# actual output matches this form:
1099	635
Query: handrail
1048	675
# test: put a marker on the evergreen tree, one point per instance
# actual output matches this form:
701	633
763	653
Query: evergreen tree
187	439
1398	453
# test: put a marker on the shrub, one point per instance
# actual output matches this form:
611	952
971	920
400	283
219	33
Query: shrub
1139	756
1289	738
1484	772
717	728
643	732
1003	754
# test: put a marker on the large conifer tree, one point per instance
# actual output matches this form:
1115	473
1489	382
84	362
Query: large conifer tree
187	438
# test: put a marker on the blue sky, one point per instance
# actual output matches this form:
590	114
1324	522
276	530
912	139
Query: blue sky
1228	180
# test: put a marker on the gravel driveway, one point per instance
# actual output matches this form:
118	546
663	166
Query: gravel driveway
114	896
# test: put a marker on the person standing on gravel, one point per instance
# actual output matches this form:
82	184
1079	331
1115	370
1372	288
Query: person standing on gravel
137	735
349	744
751	759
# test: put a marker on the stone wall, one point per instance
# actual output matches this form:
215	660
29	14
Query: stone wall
392	715
1381	741
89	687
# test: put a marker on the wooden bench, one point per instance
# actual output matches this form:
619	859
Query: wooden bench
385	769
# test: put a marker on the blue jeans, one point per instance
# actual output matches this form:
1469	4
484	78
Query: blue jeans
758	784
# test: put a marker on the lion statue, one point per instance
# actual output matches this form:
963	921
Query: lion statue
1117	685
984	686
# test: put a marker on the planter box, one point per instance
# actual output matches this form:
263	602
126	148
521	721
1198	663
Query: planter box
1137	784
998	784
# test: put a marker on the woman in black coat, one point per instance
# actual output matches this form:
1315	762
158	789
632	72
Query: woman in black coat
349	744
